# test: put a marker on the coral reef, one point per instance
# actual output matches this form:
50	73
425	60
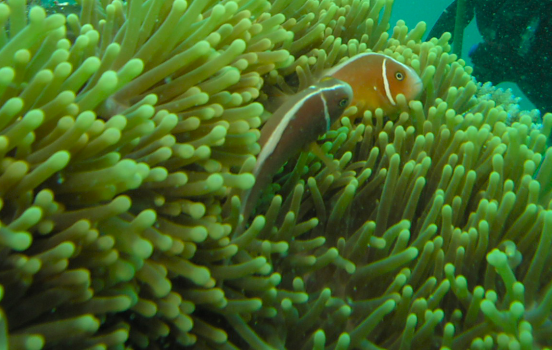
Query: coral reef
509	102
125	129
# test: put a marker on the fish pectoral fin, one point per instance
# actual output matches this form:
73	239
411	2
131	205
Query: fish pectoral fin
332	164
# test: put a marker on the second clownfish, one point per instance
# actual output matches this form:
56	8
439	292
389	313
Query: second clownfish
376	80
299	121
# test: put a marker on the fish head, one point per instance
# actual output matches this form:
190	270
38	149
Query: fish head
400	79
377	79
337	95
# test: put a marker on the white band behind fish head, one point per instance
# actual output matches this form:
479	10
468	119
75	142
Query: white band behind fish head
386	83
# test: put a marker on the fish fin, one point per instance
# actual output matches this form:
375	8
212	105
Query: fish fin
332	164
276	97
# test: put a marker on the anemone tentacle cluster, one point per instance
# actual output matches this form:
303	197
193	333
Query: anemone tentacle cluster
125	129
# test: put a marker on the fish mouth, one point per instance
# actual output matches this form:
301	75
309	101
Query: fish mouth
418	88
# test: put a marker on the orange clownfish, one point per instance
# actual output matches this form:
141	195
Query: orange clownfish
376	80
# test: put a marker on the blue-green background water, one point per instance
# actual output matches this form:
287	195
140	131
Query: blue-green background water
414	11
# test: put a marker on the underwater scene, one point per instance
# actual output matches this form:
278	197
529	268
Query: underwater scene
275	174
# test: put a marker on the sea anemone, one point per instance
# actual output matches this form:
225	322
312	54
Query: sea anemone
125	129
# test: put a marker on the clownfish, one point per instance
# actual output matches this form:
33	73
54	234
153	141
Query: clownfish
299	121
376	80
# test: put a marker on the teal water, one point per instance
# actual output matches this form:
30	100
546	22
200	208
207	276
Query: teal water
414	11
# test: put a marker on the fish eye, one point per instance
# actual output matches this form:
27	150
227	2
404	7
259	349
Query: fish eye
343	102
399	76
